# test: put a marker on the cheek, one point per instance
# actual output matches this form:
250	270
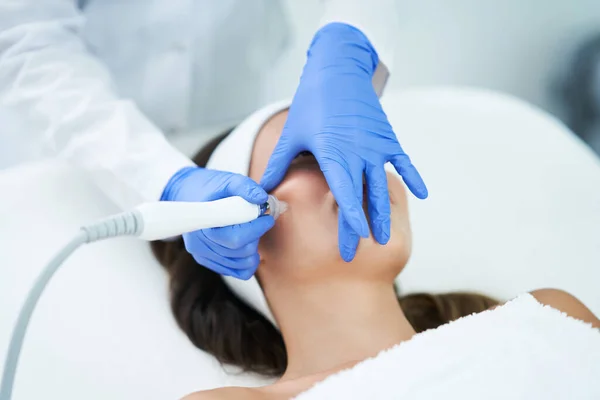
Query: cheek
400	222
297	244
387	261
306	234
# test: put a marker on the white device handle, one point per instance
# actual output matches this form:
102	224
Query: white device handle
172	218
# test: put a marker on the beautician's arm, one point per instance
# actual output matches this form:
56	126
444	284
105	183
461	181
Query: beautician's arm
378	20
52	84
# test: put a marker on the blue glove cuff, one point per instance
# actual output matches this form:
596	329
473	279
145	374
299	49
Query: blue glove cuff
340	44
172	187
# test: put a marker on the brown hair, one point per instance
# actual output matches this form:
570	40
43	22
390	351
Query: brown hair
216	321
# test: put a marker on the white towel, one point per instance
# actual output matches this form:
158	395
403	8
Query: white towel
521	350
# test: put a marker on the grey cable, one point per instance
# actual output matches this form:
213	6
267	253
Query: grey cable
16	340
125	224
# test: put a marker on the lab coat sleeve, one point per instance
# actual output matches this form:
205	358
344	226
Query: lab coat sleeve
51	84
377	19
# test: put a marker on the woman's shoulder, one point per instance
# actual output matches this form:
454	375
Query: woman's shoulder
567	303
225	393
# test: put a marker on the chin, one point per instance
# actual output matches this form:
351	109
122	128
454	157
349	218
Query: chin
382	262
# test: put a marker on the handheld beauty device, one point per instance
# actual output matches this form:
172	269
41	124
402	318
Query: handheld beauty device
149	221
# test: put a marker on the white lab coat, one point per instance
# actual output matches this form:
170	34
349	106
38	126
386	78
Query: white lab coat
99	82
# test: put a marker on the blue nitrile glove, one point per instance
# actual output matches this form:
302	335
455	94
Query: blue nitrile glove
231	250
337	116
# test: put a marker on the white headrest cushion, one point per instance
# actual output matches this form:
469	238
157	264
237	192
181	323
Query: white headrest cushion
233	155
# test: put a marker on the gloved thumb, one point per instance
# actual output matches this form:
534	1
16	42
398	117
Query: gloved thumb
240	185
278	164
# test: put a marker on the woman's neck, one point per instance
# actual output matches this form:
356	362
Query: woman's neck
329	326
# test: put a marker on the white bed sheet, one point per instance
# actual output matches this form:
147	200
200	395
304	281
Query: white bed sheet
514	205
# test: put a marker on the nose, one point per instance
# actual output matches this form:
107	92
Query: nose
302	186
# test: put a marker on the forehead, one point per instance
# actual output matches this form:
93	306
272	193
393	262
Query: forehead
265	144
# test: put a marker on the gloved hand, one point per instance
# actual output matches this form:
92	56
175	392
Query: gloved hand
231	250
337	116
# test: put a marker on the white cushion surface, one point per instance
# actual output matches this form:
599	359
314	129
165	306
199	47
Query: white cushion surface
514	196
514	205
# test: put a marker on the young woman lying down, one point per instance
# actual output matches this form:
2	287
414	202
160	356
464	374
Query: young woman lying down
330	315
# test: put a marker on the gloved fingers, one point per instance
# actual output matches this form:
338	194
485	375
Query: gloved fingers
348	239
231	267
213	266
343	187
246	274
244	251
240	185
278	164
237	236
195	245
410	175
379	202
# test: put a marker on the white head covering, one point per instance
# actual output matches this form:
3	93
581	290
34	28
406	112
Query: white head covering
233	155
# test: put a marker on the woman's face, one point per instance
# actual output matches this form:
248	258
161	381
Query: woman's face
303	244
